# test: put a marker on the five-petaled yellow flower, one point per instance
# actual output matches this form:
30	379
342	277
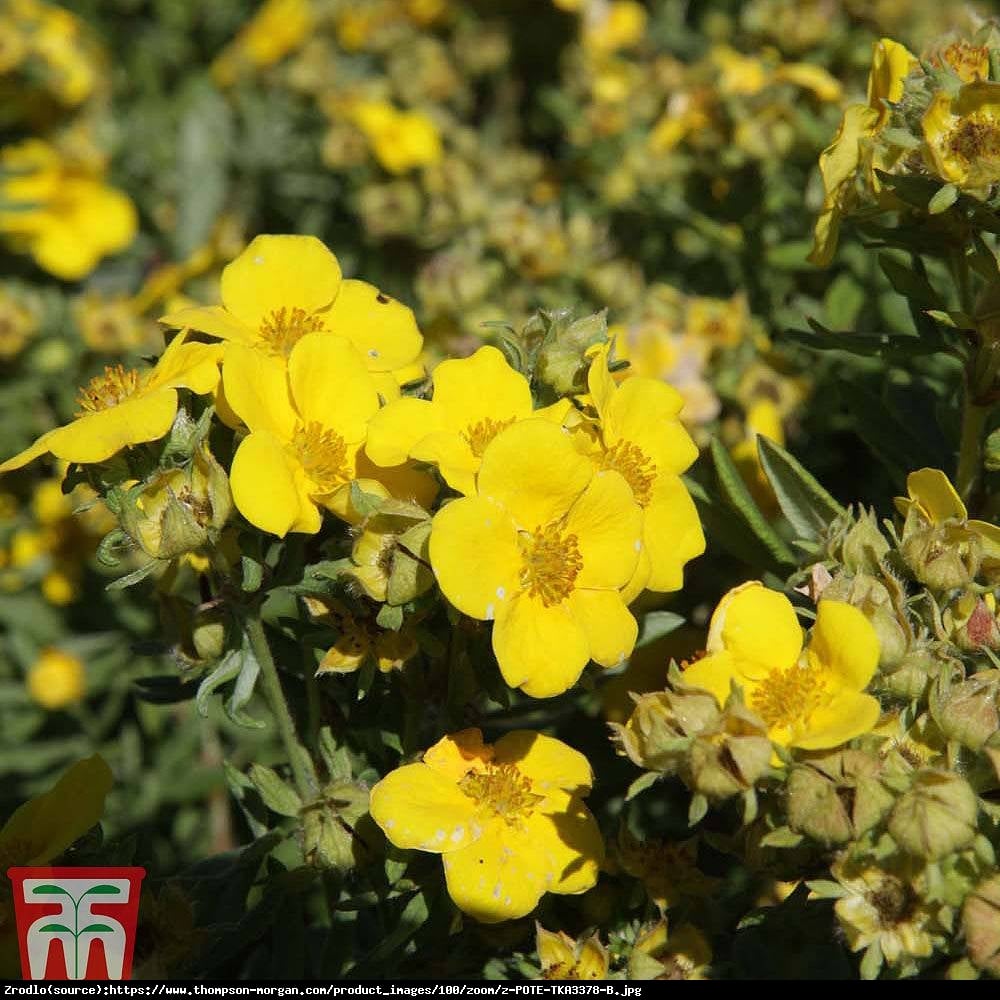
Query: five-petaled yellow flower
475	398
543	547
641	437
508	819
284	287
963	135
307	425
813	698
125	407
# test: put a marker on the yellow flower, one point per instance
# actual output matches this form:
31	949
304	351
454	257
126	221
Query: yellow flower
508	818
125	407
682	954
763	419
811	77
721	322
641	437
278	28
738	73
543	547
66	218
358	639
609	27
400	140
283	287
810	699
933	500
840	161
963	135
17	325
968	62
56	680
109	325
59	587
475	398
306	425
563	958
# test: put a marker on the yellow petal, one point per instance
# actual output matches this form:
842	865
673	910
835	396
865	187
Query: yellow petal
454	756
479	388
50	822
758	626
22	458
455	460
637	582
565	833
404	481
475	556
383	330
593	960
213	320
607	523
548	762
672	534
938	499
554	950
417	807
534	471
713	673
540	649
330	385
844	644
499	877
846	715
263	481
95	437
609	625
600	381
192	366
891	63
256	387
396	428
644	411
280	272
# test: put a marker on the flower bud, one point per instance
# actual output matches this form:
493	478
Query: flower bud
981	925
936	816
911	675
731	757
562	360
942	557
329	839
208	631
864	546
967	712
971	620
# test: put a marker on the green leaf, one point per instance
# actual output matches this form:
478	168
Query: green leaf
253	574
137	576
736	494
641	783
827	889
390	617
104	890
277	794
49	890
246	681
698	809
97	929
656	624
56	928
806	504
227	670
366	504
783	836
943	200
910	283
871	964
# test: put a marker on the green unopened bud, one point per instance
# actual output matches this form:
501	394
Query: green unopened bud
179	510
864	546
562	359
390	557
967	712
731	757
655	736
208	631
329	839
816	809
981	924
942	557
936	816
872	598
910	677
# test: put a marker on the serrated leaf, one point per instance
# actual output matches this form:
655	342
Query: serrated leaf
738	497
807	505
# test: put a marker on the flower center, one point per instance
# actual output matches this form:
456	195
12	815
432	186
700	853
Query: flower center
636	469
893	900
787	696
551	563
283	328
976	137
323	455
967	60
480	434
108	390
503	789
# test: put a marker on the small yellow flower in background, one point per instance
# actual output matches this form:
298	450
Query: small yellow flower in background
358	639
400	140
841	160
60	587
56	680
66	218
49	504
640	436
474	399
721	322
963	135
667	869
124	407
563	958
306	425
763	419
18	324
811	699
281	288
543	547
610	27
276	29
739	73
934	501
660	954
508	818
810	77
109	325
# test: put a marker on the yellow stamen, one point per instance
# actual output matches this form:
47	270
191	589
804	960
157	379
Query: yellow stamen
503	789
551	564
634	466
976	137
284	328
323	455
480	434
787	696
108	390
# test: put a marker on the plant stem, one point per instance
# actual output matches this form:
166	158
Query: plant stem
974	419
298	758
